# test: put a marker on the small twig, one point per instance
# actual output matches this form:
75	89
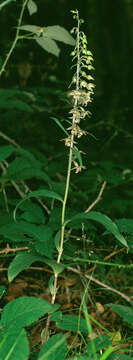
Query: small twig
98	198
8	250
7	138
113	254
91	278
16	38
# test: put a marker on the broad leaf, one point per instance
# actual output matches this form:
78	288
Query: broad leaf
71	322
18	105
24	311
102	219
125	311
21	262
14	345
100	342
82	357
57	268
32	213
24	167
49	45
46	244
32	7
18	231
24	260
54	349
125	225
31	28
6	151
30	157
39	193
58	33
28	173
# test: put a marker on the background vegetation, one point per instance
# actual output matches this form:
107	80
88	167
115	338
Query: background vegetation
93	318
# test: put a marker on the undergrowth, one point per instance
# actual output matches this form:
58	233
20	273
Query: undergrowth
52	225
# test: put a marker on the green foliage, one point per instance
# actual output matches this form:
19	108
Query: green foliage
18	314
47	216
4	3
125	311
14	345
104	220
48	36
15	99
6	151
55	348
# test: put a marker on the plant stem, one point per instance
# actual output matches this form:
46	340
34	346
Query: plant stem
68	171
16	38
70	154
67	181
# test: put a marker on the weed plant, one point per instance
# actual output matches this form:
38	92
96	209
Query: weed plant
47	231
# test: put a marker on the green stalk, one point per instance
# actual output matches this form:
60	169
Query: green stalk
16	38
70	155
81	95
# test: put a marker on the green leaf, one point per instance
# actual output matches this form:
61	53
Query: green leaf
49	45
82	357
51	284
26	167
31	28
59	187
125	225
58	33
32	7
54	349
100	342
32	213
2	290
28	173
60	125
39	193
6	151
57	268
18	231
24	311
57	240
72	323
46	244
43	193
120	357
14	345
107	353
125	311
102	219
19	105
30	157
11	99
4	3
21	262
